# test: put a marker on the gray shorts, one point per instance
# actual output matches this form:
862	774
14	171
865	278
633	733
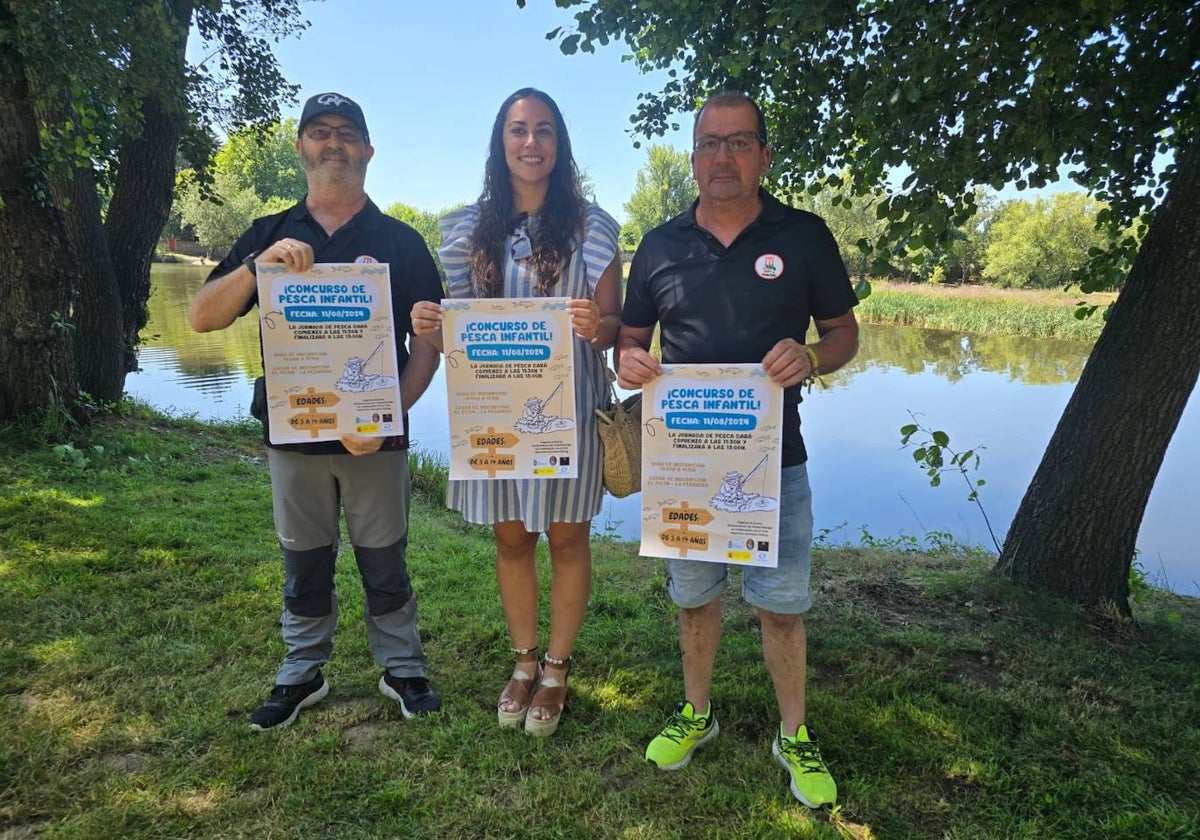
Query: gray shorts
782	590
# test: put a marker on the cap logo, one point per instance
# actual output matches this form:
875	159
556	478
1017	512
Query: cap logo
331	99
768	266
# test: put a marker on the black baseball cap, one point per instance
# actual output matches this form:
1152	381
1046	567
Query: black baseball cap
334	103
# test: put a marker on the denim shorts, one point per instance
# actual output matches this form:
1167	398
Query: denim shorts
782	590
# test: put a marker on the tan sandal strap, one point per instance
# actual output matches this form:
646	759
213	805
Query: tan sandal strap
550	696
520	687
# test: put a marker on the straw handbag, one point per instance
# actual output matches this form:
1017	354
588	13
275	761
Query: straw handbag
620	429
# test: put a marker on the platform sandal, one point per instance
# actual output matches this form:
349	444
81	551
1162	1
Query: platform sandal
551	694
520	688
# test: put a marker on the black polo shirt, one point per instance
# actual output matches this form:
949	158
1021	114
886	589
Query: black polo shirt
732	305
369	236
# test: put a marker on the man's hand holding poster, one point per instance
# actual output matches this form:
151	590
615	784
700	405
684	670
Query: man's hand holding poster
711	446
510	387
329	352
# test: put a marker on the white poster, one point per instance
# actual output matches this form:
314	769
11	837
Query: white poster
510	387
711	449
329	351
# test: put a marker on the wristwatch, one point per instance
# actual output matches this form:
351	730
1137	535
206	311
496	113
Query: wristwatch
250	264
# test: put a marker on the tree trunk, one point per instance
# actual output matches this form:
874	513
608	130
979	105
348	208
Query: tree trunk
145	182
37	371
99	325
1076	528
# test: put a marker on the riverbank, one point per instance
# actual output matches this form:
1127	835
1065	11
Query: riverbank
139	592
1042	313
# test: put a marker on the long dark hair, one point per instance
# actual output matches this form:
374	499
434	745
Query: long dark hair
560	221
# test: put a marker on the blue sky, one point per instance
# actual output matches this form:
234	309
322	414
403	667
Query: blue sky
431	75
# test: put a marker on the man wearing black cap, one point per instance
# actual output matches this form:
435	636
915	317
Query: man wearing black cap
368	476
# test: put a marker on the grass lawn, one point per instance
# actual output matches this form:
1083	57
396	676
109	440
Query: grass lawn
139	597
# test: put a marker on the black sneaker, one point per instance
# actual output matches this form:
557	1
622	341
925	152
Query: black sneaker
284	705
412	693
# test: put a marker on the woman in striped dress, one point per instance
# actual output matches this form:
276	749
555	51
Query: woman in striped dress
532	234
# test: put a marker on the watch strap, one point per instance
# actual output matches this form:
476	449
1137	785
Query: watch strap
249	263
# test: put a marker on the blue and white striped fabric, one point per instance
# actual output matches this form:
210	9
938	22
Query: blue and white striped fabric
538	502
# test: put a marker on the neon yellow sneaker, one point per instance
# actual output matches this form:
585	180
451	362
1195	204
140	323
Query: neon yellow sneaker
809	777
673	747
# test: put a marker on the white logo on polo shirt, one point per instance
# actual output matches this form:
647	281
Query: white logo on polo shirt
365	258
768	266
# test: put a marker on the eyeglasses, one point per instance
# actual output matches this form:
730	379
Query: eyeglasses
345	134
737	143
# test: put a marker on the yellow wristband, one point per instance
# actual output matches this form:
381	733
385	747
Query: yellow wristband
814	373
813	361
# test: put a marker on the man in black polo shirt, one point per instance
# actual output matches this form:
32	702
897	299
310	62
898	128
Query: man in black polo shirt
368	476
736	279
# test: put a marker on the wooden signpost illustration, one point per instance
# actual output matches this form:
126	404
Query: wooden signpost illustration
311	417
681	536
492	461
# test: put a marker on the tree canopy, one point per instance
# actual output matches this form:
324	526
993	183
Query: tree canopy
1042	243
425	223
221	214
264	160
98	100
664	189
942	97
949	95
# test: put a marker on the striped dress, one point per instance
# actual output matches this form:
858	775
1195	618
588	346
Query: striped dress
538	502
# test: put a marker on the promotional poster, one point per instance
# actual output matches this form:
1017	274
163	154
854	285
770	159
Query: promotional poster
329	352
510	388
711	449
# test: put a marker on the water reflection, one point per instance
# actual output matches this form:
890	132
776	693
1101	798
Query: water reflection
1001	395
953	355
207	374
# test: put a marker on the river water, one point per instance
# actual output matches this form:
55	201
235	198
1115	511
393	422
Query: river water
999	395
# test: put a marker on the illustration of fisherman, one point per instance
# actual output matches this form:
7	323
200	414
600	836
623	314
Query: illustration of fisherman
534	419
733	497
356	379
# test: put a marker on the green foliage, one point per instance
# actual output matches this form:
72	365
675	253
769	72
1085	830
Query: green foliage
264	159
1044	243
853	217
94	66
220	216
960	94
429	475
77	458
424	223
930	452
664	189
1010	314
